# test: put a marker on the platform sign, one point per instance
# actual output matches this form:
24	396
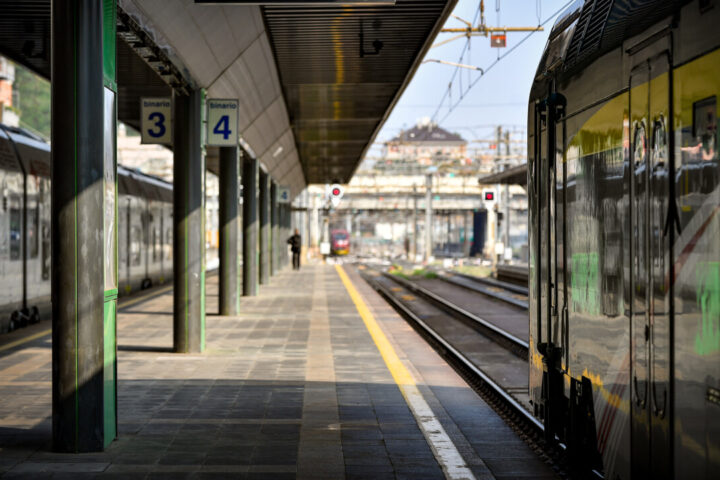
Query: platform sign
156	120
222	122
283	194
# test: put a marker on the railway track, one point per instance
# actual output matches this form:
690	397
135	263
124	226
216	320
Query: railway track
516	274
490	358
512	341
507	292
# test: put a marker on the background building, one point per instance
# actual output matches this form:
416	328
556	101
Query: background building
8	114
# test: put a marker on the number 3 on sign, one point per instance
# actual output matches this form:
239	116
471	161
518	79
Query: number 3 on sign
156	120
222	122
159	124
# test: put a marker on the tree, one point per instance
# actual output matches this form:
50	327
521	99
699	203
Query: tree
33	100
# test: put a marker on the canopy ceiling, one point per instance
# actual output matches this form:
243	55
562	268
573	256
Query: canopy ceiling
312	96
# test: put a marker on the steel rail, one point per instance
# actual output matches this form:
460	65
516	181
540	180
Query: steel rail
516	406
518	342
490	281
479	289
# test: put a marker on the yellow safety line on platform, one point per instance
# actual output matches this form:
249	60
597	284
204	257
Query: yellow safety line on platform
132	301
401	374
32	337
128	303
443	448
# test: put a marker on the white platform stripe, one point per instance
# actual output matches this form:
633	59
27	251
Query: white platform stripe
442	446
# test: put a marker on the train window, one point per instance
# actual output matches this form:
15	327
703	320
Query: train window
154	245
33	228
705	126
135	245
640	146
169	242
15	227
659	150
46	250
44	228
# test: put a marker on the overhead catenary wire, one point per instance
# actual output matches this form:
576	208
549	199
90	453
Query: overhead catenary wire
448	92
489	67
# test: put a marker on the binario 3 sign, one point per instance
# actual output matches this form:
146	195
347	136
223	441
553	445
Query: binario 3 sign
222	122
156	120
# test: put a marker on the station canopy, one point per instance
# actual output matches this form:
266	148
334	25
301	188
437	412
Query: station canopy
516	175
312	95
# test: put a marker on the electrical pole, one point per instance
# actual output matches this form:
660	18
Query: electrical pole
507	196
407	228
415	224
428	217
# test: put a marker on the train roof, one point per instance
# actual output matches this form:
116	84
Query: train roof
34	154
134	182
589	28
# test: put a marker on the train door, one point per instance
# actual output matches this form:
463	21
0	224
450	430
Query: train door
547	175
650	243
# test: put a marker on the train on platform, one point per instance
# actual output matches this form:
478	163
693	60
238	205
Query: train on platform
340	242
624	274
145	229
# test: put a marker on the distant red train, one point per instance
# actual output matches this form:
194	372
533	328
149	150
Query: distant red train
340	242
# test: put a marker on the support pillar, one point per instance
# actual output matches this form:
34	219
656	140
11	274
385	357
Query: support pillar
415	226
188	226
84	225
448	232
274	232
428	217
264	229
284	234
466	235
288	231
282	239
250	227
229	258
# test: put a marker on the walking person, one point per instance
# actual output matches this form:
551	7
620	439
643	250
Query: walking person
295	244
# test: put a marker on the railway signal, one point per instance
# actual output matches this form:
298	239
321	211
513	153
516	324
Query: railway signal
336	193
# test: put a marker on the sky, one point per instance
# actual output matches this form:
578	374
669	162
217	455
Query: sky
499	97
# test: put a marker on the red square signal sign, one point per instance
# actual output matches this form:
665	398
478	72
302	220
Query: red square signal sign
489	196
498	40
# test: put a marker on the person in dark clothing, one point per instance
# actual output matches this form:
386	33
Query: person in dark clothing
295	243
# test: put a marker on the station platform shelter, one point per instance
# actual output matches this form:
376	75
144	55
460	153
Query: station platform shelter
255	371
316	377
270	96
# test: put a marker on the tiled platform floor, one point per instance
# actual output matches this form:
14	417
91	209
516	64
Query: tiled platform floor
294	387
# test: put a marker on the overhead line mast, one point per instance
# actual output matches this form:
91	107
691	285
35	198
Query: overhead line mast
482	30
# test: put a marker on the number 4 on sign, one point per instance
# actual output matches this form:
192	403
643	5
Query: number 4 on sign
222	122
223	127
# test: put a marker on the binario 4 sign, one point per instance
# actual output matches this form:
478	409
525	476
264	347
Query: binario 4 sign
222	122
156	120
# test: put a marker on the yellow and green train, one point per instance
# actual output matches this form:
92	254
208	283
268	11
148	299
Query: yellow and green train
624	216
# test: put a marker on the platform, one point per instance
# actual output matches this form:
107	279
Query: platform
302	384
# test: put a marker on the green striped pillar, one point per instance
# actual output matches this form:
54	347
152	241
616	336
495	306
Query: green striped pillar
274	233
229	199
264	207
84	226
250	226
188	225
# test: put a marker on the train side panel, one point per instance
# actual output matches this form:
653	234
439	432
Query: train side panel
697	269
625	257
